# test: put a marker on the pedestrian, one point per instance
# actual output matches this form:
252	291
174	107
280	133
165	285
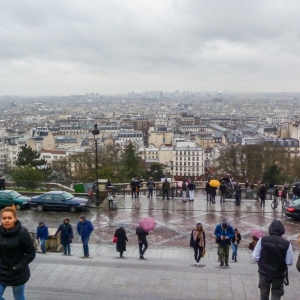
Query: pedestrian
273	254
66	235
108	183
191	188
262	192
133	188
223	189
207	189
184	187
16	253
138	182
213	193
120	234
252	185
151	186
238	195
197	242
2	182
42	234
142	240
84	229
235	244
224	233
276	193
165	188
286	188
246	184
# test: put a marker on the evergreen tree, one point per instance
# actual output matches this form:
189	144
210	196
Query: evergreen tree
130	163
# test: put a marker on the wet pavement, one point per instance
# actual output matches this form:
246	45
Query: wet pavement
175	219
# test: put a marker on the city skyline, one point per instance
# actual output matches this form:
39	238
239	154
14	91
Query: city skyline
116	47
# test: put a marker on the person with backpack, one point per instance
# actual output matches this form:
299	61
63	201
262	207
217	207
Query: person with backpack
273	254
224	234
191	188
223	189
184	187
197	242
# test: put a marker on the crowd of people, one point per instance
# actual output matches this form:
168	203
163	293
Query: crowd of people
272	252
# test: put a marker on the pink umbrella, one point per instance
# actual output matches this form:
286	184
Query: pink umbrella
257	233
147	224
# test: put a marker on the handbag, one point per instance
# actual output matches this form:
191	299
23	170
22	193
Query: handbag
203	252
114	239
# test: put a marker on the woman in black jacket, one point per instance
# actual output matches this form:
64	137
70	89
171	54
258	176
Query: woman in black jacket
16	252
120	234
66	235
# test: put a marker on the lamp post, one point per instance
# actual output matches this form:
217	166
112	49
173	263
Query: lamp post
97	195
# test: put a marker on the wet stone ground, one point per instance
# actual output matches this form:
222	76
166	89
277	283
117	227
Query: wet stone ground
175	219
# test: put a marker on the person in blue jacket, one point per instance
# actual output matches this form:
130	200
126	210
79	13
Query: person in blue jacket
224	233
42	234
84	229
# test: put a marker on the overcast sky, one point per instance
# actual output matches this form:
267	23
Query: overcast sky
63	47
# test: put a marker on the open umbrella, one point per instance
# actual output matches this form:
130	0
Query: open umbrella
257	233
147	224
214	183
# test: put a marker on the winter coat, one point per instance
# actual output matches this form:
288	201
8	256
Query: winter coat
85	229
219	231
213	191
120	234
238	238
133	184
223	188
238	192
184	186
191	186
16	252
207	187
142	235
150	184
274	247
263	192
276	192
194	243
42	232
165	185
66	233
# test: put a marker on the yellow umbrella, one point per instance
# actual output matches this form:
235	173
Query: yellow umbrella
214	183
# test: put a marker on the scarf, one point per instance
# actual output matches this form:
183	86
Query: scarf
197	235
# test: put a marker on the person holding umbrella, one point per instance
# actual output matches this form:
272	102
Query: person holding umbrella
145	225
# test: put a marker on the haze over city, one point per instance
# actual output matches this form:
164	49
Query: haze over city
111	47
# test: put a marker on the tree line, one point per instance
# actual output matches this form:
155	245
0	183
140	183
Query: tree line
120	165
260	162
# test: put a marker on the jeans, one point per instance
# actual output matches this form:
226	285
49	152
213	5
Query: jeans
183	195
165	192
67	248
234	248
150	193
191	194
198	253
265	287
85	242
143	250
18	291
43	248
238	200
223	253
263	199
133	192
222	199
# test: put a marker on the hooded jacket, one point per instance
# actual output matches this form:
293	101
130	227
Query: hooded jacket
16	252
273	252
42	232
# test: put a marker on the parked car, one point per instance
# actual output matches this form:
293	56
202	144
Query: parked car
10	198
58	200
292	209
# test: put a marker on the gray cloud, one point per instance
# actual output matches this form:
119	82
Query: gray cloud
65	47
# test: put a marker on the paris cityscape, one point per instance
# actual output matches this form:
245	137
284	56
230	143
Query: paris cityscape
149	149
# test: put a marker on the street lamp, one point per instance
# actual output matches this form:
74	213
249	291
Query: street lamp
96	132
